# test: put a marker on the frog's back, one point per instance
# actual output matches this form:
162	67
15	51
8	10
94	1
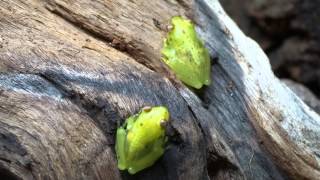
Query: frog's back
141	137
146	130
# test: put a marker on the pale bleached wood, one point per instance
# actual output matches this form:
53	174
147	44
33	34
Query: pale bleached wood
287	128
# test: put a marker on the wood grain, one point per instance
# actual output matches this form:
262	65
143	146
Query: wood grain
72	71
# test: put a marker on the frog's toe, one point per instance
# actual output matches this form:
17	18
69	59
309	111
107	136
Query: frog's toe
132	170
207	82
122	166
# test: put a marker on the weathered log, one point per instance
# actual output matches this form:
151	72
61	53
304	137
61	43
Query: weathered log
73	71
304	94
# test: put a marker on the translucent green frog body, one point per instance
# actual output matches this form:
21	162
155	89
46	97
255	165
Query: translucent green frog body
186	55
141	140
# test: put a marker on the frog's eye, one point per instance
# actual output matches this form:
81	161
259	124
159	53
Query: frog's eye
163	123
147	109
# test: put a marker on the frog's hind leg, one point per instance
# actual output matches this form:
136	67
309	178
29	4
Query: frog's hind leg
149	159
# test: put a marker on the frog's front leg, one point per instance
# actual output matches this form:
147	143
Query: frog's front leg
148	159
120	148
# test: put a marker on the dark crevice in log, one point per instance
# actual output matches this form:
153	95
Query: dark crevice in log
72	131
197	122
96	110
13	155
216	148
216	165
8	141
102	113
6	175
56	10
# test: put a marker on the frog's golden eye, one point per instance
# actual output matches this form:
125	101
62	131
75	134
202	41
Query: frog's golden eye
163	123
146	108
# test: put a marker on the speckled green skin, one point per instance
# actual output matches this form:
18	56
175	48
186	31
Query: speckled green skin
141	140
186	55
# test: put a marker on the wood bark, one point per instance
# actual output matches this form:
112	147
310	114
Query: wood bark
72	71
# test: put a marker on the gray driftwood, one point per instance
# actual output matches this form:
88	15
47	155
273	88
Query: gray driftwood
72	71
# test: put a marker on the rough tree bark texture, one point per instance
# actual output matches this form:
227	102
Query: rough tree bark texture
71	71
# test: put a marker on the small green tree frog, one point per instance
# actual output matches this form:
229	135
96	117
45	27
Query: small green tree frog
185	54
141	140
